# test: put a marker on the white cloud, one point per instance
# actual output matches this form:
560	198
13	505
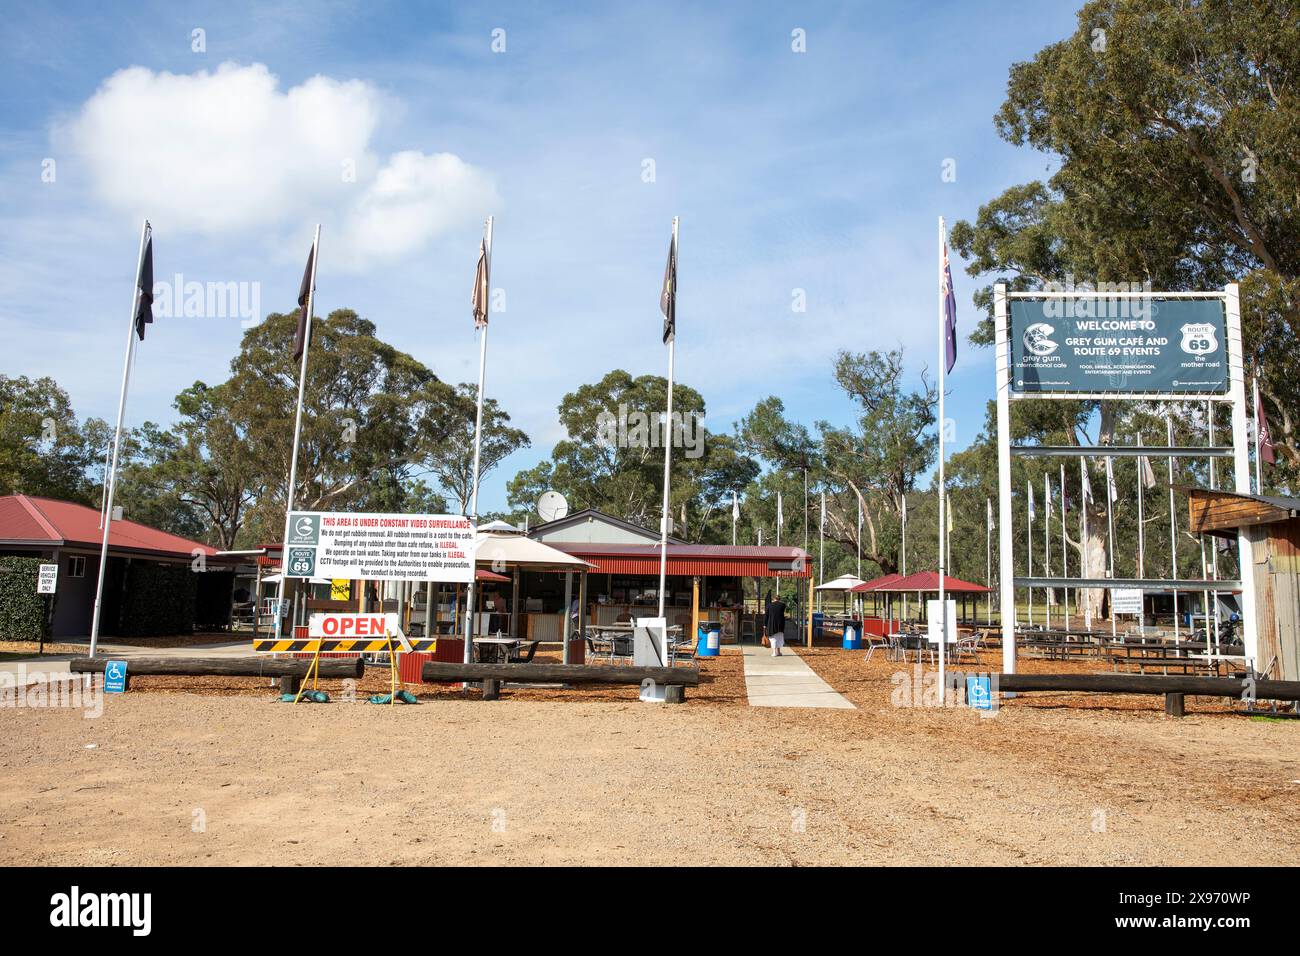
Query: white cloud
228	152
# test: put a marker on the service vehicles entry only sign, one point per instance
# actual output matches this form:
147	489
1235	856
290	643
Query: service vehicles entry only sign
327	544
1099	344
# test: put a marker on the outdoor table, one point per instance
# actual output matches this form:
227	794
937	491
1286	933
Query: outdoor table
501	645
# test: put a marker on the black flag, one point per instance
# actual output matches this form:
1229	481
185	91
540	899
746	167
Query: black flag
668	295
144	295
304	320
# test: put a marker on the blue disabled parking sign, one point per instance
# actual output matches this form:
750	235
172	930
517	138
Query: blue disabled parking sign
979	692
114	677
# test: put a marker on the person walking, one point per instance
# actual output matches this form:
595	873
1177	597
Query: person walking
775	625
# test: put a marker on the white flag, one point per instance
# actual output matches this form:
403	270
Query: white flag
1087	485
823	524
1110	481
1030	485
1047	497
780	517
988	505
735	507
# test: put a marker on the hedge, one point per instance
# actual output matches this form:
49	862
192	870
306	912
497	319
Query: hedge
23	612
158	600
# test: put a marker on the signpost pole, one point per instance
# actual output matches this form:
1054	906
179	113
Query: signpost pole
1006	571
1241	469
1173	520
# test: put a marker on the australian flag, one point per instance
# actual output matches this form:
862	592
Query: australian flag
949	301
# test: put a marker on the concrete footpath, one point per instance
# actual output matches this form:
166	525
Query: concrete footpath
786	681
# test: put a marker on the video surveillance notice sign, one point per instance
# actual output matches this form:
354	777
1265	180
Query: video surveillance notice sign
339	545
1105	344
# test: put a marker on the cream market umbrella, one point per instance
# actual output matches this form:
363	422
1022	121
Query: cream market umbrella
844	583
502	545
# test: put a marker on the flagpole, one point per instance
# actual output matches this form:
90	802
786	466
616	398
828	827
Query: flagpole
1173	519
1259	475
943	504
297	433
1047	546
668	436
468	653
1085	494
117	441
988	559
1029	541
1142	540
821	550
735	513
858	600
1065	554
1212	634
1110	536
1142	543
904	561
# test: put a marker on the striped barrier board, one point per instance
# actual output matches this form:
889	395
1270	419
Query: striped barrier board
311	645
346	633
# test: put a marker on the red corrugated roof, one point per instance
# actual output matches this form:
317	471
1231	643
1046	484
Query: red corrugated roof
718	560
876	584
929	581
47	521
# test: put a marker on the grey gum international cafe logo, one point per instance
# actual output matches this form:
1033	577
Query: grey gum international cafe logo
304	529
1038	339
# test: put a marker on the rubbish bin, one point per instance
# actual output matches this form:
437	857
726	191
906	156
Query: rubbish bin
709	639
853	636
818	619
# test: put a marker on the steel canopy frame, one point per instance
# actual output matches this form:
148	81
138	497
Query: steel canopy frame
1238	450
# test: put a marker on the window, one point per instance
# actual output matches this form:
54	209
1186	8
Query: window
76	566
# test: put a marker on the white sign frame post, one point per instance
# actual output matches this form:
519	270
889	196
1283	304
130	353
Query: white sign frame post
1239	451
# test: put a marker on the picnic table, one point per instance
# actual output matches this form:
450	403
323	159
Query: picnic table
500	646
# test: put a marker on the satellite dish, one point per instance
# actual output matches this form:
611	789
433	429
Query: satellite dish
552	506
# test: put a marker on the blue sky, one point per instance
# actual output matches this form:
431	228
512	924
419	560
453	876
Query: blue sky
818	171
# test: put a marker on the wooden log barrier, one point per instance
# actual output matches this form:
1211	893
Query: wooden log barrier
542	673
223	666
1187	684
1175	687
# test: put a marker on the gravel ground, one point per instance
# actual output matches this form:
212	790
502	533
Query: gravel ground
184	771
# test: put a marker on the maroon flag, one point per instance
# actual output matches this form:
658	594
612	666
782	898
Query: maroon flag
303	336
1266	453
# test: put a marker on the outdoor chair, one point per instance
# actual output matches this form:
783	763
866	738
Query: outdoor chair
620	647
875	642
524	658
681	651
594	651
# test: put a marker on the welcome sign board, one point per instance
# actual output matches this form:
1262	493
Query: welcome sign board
1110	344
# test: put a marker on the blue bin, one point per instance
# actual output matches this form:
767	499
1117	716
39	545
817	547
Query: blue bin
818	619
852	636
709	640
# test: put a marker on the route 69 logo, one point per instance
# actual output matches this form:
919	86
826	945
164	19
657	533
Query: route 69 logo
1198	338
302	561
